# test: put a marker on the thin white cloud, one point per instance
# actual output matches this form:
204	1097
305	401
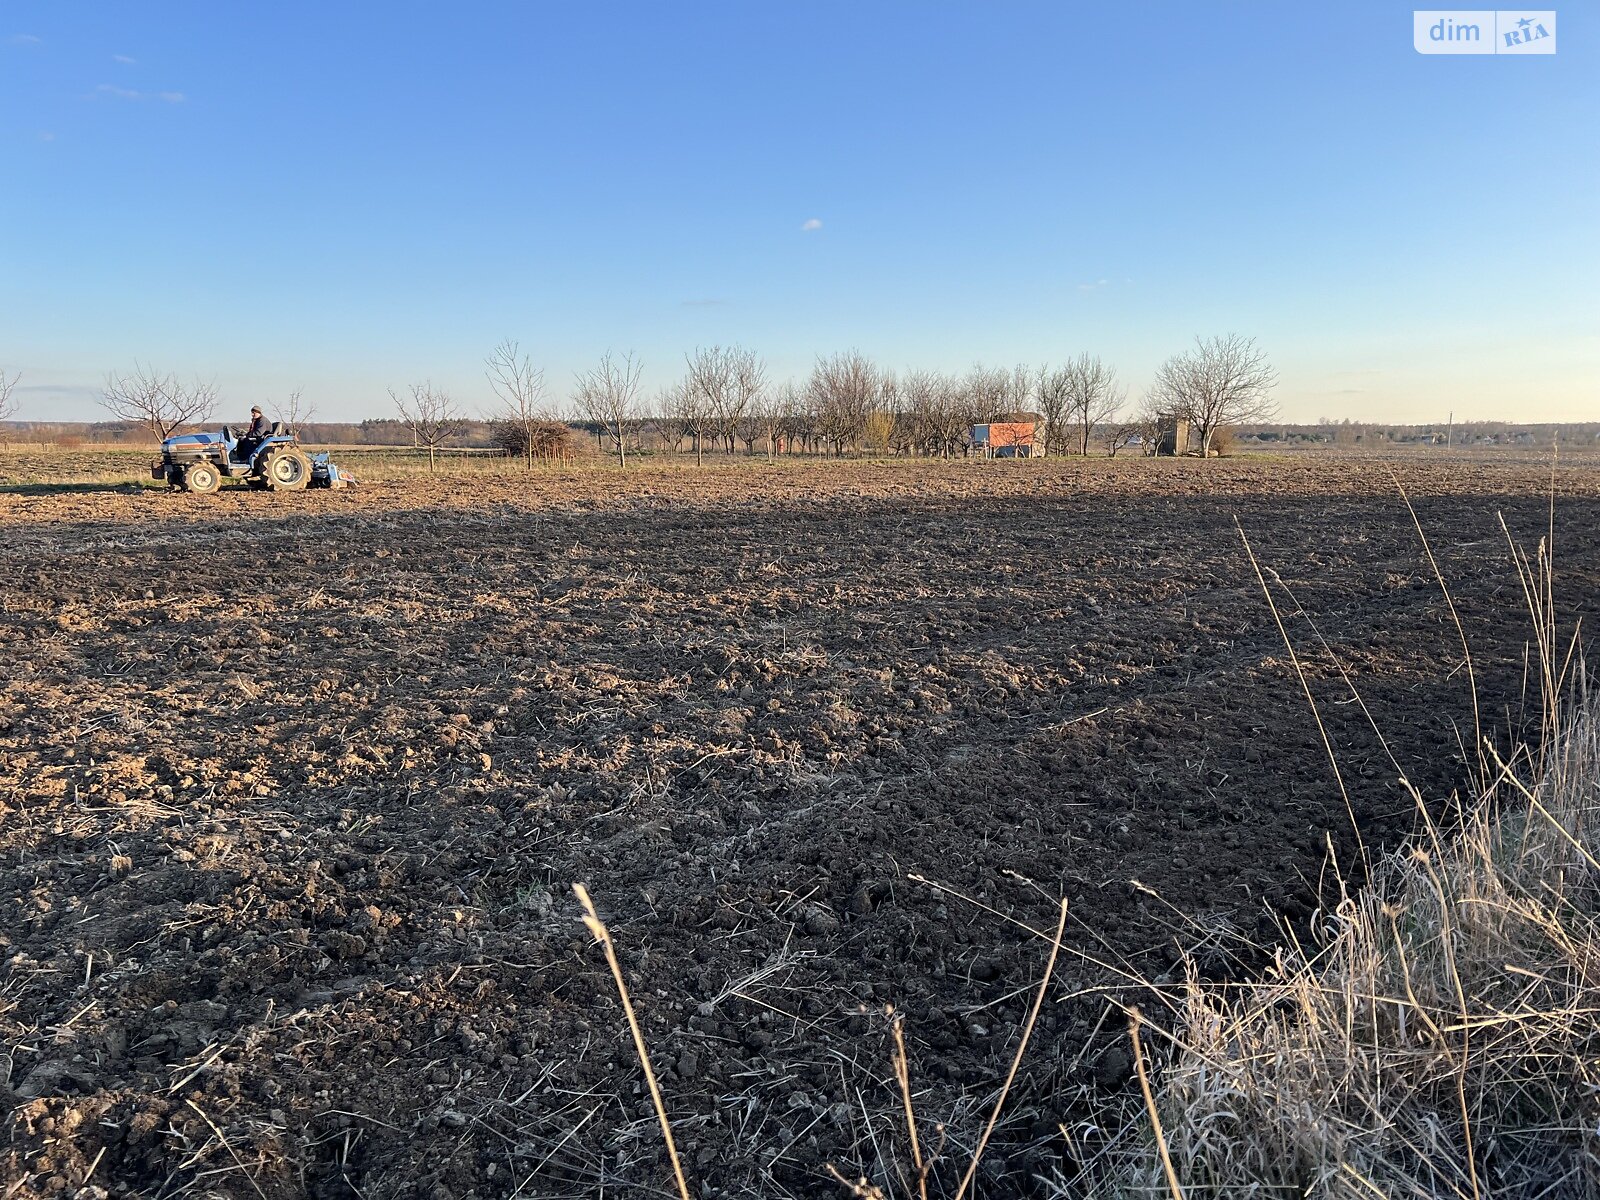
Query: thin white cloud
1092	287
46	135
24	39
122	93
811	226
123	59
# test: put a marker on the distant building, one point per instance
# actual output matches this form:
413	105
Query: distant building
1010	435
1172	435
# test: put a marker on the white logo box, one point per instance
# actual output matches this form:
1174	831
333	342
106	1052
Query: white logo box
1484	31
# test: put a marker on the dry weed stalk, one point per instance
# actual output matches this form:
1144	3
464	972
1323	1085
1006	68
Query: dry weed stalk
601	934
902	1076
1022	1045
1134	1018
864	1189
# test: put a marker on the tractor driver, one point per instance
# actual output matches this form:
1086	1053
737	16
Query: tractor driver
253	436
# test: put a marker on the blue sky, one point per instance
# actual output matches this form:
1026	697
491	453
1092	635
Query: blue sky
349	197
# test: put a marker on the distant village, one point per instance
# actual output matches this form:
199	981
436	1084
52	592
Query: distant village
1474	433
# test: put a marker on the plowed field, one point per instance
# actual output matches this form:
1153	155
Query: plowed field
293	790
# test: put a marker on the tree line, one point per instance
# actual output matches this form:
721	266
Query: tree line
725	400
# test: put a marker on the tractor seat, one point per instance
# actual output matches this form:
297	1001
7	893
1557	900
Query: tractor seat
279	429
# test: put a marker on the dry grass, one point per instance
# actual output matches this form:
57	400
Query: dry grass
1440	1039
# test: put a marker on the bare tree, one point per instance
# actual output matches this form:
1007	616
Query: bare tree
1051	389
1122	435
896	400
704	395
918	397
1019	393
693	411
984	391
519	387
8	403
431	416
298	411
770	413
725	381
981	396
669	418
158	402
798	426
609	396
937	406
1145	426
884	426
1092	396
1224	380
748	383
843	389
1349	433
751	424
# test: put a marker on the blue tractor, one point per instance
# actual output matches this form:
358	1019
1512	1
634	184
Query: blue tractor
199	462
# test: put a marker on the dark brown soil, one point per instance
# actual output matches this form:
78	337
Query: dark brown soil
293	791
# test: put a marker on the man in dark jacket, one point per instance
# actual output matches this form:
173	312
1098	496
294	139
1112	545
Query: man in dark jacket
252	437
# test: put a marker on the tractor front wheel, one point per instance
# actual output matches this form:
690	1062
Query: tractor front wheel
201	478
287	470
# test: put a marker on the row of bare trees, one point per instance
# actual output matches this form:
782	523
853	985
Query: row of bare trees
847	404
523	422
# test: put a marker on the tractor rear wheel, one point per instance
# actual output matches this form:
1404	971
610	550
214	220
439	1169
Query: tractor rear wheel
287	470
201	478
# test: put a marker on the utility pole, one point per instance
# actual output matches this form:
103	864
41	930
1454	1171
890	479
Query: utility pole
1450	430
